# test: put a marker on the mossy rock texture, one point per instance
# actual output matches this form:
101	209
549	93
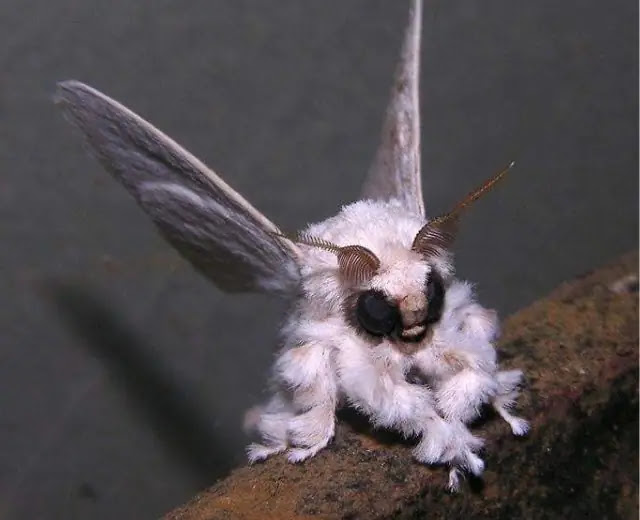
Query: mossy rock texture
579	351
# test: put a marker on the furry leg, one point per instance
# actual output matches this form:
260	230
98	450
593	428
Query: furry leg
271	422
300	419
508	383
519	426
311	431
391	402
461	397
451	443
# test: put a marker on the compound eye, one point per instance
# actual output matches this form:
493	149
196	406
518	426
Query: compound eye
375	314
435	297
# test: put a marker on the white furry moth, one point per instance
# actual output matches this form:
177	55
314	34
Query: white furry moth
373	289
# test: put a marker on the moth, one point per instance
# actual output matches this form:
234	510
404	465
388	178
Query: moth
372	291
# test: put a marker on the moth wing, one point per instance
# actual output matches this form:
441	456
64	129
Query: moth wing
395	172
208	222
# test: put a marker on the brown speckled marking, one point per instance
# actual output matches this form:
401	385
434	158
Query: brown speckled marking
413	309
454	360
579	351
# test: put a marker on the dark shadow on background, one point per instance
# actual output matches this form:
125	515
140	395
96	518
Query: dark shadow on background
151	388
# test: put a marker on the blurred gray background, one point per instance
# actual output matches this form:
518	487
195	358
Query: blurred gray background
123	374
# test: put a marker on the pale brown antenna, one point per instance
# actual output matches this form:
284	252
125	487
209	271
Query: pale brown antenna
435	237
356	263
476	194
439	233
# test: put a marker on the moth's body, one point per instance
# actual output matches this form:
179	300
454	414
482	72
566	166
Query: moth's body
324	365
373	296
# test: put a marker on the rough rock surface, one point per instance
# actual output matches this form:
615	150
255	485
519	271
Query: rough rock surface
579	350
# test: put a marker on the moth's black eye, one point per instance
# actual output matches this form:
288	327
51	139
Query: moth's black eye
375	314
435	297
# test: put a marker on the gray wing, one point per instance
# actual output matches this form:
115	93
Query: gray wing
395	172
208	222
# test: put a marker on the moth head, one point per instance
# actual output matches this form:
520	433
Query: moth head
395	296
398	292
402	301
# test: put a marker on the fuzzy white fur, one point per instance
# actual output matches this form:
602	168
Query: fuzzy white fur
325	362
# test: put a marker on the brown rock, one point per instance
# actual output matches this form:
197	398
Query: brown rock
579	350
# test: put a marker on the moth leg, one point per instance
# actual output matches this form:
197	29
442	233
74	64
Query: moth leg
460	398
481	326
453	484
452	443
307	372
257	452
271	423
381	392
508	390
470	318
462	394
519	426
478	322
467	365
311	431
